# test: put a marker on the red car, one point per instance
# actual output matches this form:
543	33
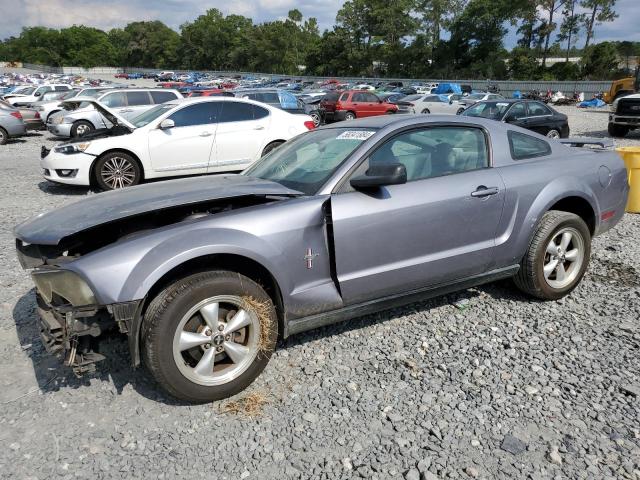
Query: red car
328	105
210	93
354	104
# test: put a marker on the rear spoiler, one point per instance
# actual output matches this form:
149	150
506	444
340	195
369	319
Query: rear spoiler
603	143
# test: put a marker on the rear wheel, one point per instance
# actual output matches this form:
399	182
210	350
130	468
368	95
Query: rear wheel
117	170
4	136
617	130
270	147
81	128
208	336
557	257
425	111
315	116
460	110
350	116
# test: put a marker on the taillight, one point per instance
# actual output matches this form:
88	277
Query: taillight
17	115
309	124
37	115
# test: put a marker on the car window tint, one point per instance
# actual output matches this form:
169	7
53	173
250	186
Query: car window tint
198	114
518	111
524	146
138	98
259	112
161	97
359	97
60	88
371	98
344	97
114	100
433	152
237	112
538	109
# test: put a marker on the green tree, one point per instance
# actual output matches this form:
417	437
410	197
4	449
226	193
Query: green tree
600	61
571	24
600	11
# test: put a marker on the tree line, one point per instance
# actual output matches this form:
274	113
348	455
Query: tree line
403	38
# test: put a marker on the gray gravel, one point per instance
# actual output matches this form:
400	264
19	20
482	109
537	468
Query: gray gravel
483	384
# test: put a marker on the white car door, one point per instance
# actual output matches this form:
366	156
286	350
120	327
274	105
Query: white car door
241	136
186	148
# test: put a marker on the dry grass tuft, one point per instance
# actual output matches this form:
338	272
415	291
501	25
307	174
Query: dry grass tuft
264	311
249	406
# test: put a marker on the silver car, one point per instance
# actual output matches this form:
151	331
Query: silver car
77	120
436	104
202	275
11	122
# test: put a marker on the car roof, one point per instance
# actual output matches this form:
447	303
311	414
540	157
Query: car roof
383	121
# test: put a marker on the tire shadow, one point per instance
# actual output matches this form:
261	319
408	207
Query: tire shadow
61	189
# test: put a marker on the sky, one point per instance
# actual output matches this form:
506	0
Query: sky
16	14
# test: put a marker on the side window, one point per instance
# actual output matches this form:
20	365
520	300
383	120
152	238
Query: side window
525	146
236	112
198	114
60	88
433	152
537	109
518	111
114	100
259	112
161	97
344	97
371	98
138	98
359	97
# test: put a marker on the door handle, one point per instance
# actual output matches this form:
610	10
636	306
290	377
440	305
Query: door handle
205	134
483	191
259	127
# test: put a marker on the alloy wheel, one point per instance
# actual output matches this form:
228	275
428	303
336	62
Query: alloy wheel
118	172
216	340
563	258
553	134
82	129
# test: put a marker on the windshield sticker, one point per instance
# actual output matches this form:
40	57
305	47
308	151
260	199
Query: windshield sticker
355	135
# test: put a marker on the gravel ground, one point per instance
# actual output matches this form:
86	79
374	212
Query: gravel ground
481	384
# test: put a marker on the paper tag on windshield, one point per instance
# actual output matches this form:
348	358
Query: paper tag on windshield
355	135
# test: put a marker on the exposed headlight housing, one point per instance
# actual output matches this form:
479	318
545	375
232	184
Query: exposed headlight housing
65	284
72	148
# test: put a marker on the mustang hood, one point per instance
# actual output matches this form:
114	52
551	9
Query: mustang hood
104	208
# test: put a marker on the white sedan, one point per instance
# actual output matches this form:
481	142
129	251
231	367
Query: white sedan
189	136
437	104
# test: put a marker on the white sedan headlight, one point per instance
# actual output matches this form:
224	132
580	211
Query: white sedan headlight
72	148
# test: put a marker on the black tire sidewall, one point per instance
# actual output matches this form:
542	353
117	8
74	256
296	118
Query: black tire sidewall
164	326
270	147
547	291
4	136
101	161
74	128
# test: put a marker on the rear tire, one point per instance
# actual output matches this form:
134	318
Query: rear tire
460	110
557	257
4	136
81	128
350	116
617	131
206	305
425	111
271	147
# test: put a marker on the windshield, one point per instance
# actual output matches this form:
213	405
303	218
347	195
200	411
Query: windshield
92	92
492	110
69	94
308	161
150	115
476	96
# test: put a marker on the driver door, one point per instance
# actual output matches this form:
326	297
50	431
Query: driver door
438	227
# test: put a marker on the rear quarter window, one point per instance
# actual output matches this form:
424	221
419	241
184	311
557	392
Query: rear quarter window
525	146
161	97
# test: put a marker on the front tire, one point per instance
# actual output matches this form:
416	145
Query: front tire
557	258
81	128
208	336
117	170
617	131
553	133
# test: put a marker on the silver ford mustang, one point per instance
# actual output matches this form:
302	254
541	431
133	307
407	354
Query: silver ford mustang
204	274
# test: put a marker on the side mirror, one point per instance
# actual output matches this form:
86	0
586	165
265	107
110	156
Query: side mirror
380	175
166	124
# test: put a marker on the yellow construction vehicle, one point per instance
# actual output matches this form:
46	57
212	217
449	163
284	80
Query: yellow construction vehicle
622	87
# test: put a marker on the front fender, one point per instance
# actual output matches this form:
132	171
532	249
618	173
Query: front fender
126	270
